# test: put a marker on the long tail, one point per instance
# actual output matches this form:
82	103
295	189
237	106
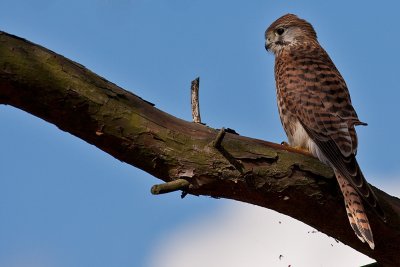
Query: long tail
355	211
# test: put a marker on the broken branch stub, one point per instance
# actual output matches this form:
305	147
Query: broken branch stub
195	100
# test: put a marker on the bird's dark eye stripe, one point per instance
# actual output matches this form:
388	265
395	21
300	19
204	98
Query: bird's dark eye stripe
280	31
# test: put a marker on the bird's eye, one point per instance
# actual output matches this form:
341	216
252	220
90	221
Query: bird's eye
280	31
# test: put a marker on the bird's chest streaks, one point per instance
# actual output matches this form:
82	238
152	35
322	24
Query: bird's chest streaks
295	132
297	135
290	95
297	75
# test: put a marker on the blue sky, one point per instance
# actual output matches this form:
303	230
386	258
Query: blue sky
64	202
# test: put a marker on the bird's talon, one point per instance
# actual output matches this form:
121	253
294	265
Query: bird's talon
284	143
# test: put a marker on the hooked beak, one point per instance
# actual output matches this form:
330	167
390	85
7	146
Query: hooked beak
267	46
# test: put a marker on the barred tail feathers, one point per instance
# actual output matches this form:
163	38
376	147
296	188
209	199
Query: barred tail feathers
355	211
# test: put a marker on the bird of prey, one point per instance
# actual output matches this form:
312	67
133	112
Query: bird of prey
316	112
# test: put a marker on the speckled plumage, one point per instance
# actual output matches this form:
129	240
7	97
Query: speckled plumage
316	112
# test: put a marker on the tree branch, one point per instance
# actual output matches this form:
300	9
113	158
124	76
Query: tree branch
194	97
122	124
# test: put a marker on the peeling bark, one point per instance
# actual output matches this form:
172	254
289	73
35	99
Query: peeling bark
132	130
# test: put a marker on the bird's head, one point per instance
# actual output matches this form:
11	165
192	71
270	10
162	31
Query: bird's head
286	31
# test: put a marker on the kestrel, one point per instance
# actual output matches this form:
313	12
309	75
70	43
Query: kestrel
316	112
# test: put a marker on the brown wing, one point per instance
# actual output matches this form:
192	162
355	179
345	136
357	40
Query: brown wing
315	92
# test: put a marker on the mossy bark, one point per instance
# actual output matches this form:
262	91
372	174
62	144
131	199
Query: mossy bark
132	130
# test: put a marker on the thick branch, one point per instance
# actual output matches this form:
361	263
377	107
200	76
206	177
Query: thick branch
78	101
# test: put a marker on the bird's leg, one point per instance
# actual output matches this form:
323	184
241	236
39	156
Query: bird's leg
297	148
302	150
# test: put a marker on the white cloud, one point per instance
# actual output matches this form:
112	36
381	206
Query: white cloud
244	235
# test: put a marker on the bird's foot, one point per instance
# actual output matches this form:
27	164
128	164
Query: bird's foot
302	150
298	149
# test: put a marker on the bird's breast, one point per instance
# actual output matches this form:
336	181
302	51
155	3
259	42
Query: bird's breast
297	135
